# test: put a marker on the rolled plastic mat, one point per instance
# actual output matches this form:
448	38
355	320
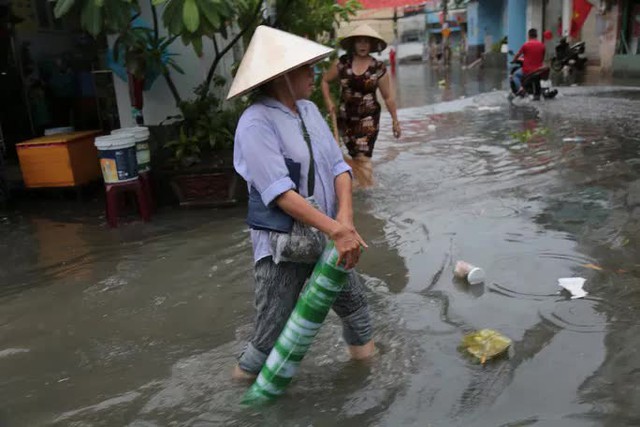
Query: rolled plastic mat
326	282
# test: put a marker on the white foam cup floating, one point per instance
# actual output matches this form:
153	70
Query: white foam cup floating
469	272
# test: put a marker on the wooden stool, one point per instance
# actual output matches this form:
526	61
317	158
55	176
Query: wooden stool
147	186
113	206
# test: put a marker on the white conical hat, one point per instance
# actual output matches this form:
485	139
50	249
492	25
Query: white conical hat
364	31
272	53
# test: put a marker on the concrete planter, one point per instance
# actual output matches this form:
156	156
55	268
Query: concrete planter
214	189
213	183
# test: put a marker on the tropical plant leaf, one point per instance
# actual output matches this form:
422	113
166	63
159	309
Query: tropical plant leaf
172	16
117	45
164	44
191	15
210	12
62	7
117	15
91	18
226	8
197	45
175	66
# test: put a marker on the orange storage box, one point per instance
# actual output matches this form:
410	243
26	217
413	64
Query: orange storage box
61	160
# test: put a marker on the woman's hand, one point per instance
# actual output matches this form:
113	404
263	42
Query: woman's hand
397	132
348	243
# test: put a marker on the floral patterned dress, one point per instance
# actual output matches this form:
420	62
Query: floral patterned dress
359	113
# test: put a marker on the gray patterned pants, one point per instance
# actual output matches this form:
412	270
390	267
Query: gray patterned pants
276	293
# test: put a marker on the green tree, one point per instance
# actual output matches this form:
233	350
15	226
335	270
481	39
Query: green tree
189	20
313	18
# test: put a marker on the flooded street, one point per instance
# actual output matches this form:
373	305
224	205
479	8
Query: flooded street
140	326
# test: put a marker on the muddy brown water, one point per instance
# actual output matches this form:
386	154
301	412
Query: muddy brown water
140	326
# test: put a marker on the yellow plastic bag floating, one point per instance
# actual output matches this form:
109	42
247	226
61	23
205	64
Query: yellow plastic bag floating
485	344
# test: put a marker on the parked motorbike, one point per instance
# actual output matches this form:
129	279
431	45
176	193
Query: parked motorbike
571	56
536	83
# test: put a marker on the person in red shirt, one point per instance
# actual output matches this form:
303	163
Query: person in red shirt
533	58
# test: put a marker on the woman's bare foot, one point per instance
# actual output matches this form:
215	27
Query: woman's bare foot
240	375
362	352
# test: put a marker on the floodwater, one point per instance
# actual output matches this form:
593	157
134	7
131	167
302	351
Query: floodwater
140	326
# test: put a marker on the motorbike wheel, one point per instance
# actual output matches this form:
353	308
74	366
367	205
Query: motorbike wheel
556	64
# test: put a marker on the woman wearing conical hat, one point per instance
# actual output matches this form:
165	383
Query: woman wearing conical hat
286	153
358	115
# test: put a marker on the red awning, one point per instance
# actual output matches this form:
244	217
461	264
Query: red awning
381	4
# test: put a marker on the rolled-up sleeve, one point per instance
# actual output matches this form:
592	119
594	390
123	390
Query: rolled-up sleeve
260	162
341	167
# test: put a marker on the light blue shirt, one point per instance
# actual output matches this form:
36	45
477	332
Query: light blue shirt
267	133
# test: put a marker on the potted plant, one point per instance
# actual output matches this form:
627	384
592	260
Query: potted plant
199	145
201	156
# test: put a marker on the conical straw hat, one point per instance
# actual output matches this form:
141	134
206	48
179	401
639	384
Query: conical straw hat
364	31
272	53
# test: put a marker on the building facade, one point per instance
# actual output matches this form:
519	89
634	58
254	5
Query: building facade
611	31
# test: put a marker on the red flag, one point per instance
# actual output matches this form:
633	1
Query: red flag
581	9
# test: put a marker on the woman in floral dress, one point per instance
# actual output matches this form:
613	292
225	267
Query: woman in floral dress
358	115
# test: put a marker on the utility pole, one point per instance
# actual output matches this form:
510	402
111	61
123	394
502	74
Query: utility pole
395	25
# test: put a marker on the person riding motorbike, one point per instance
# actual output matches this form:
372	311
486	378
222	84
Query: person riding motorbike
533	52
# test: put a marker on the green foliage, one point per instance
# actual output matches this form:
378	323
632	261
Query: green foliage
186	149
206	127
145	52
99	16
189	19
317	96
313	18
316	19
528	134
194	19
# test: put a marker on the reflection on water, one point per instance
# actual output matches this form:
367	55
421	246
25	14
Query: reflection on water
421	84
140	326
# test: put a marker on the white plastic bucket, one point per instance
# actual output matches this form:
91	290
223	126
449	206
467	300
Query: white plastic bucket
117	157
143	154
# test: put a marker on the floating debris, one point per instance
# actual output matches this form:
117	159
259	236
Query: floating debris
485	344
573	139
469	272
12	351
593	267
574	286
528	134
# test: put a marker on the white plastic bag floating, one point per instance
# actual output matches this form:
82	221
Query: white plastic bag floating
574	286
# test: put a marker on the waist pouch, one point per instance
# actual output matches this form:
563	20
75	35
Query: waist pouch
271	218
